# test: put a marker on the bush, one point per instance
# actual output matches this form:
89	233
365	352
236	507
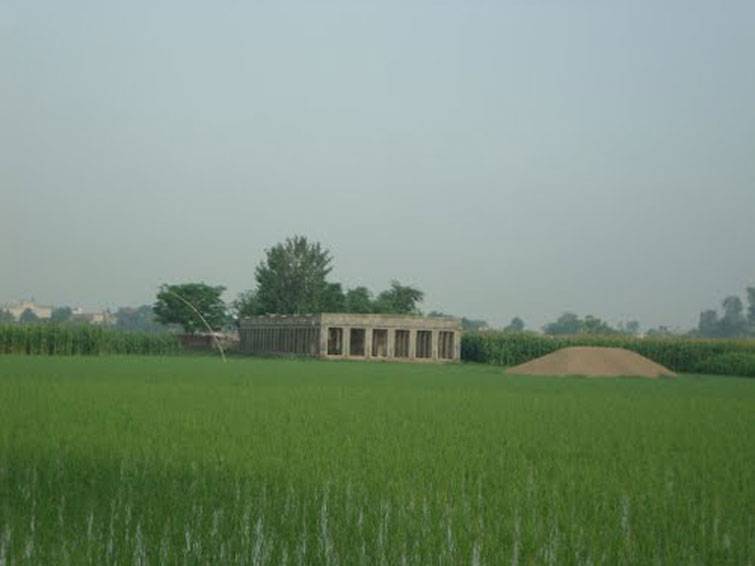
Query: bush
678	354
733	363
74	340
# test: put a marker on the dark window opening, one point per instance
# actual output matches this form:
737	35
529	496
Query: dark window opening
424	344
401	347
446	345
380	343
356	342
335	341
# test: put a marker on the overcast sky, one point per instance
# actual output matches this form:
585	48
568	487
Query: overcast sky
508	158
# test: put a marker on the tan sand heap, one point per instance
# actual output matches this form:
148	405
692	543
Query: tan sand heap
592	362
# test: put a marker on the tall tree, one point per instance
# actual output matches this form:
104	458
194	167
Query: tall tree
516	325
399	299
28	317
61	314
733	323
246	305
6	317
292	277
751	309
567	323
708	325
333	299
359	300
183	304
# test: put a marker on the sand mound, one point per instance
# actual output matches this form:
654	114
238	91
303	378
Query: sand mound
592	362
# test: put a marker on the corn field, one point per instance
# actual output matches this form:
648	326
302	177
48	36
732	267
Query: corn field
82	340
679	354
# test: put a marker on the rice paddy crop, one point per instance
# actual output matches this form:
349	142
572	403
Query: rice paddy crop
137	460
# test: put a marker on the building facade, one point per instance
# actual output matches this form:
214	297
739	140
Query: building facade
18	308
354	336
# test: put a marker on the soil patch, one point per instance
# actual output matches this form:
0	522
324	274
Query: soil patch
592	362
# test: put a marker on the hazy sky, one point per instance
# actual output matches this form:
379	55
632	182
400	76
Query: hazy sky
509	158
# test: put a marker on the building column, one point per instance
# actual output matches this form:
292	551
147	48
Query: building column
324	333
412	344
390	350
346	343
434	349
368	342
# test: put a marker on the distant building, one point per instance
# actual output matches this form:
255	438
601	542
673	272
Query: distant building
354	336
17	309
94	317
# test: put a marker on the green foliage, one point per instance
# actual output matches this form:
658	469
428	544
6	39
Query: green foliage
733	323
61	314
516	325
86	340
28	317
399	299
732	363
678	354
172	308
292	277
570	323
359	300
6	317
192	461
246	305
333	298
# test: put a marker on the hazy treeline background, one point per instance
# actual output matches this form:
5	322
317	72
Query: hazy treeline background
293	278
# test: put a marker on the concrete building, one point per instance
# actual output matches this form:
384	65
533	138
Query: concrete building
354	336
17	309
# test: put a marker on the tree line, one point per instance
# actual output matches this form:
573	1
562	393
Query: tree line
292	278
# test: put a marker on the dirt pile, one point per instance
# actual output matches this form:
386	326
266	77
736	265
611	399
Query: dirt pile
592	362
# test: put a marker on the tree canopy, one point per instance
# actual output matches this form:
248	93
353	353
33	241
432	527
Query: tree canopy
28	317
61	314
734	322
172	308
292	277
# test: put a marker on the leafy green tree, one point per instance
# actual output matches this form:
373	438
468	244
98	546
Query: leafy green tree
28	317
516	325
399	299
333	299
6	317
292	277
183	305
733	323
709	325
567	323
751	309
359	300
246	305
594	325
61	314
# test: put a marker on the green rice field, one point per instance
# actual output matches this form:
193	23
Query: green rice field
186	460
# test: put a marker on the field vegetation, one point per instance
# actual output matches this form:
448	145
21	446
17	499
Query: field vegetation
686	355
82	339
188	460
